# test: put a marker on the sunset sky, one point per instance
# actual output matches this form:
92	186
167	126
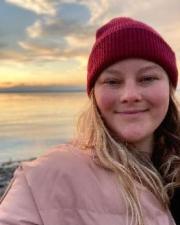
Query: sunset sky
47	42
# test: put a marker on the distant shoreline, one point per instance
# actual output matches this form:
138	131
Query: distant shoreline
40	91
41	88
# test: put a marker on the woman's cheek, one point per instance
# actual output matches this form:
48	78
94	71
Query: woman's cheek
105	101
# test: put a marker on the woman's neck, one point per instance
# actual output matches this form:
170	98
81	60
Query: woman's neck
145	146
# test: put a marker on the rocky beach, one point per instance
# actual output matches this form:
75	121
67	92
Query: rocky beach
6	173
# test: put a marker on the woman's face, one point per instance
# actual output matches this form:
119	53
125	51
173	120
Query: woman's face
133	98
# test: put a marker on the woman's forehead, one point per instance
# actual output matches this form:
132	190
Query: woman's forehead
132	64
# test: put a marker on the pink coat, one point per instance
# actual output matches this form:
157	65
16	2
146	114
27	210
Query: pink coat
65	187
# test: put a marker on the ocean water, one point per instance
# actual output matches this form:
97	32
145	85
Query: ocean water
31	123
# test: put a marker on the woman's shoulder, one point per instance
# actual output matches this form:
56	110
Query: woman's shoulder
63	157
58	167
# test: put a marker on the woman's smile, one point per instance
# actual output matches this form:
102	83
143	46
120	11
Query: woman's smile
131	112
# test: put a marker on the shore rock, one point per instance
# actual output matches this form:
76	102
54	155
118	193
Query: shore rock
6	173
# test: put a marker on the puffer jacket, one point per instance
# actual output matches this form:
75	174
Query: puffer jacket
66	187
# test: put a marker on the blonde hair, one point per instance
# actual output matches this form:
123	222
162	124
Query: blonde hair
129	166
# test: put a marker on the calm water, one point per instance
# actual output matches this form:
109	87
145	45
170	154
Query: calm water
32	123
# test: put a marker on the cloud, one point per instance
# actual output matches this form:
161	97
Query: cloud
49	7
59	28
98	9
58	39
38	6
3	45
35	30
12	56
39	52
58	36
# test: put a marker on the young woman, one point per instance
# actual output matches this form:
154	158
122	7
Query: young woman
124	167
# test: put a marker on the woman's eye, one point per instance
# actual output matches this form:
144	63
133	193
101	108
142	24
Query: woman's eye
112	82
147	79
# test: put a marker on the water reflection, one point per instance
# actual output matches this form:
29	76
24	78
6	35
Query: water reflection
30	123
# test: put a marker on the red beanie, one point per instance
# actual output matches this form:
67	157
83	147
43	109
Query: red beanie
123	38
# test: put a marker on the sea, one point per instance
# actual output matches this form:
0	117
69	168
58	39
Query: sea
32	123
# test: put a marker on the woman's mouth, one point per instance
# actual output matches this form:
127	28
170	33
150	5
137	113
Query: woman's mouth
132	112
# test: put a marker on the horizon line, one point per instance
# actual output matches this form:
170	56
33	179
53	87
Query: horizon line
50	88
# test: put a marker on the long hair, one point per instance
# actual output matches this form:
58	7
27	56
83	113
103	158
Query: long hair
160	174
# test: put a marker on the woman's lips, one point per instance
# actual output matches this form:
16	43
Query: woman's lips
131	112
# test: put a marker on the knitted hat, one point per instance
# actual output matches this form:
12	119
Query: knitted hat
123	38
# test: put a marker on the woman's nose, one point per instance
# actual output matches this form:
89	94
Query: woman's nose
130	93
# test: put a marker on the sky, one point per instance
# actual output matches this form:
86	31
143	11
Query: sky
46	43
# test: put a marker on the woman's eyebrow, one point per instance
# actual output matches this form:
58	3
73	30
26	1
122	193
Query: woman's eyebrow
149	67
113	71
